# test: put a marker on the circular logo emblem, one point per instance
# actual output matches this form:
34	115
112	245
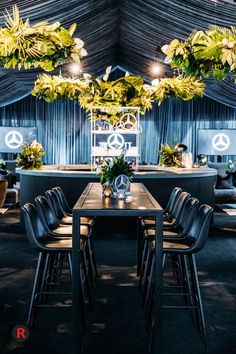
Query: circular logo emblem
13	139
121	182
20	333
220	142
115	141
128	121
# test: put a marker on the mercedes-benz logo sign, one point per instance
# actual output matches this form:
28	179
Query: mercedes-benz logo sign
220	142
121	182
115	141
13	139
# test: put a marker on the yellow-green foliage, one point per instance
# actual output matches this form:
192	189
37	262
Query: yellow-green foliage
205	52
169	156
128	91
30	156
41	45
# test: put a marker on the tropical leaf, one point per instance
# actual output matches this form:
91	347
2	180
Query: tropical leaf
205	52
45	45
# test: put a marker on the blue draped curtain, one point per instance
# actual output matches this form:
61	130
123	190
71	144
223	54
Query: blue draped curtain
121	32
64	129
126	33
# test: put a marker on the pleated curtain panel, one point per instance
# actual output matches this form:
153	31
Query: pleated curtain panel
125	33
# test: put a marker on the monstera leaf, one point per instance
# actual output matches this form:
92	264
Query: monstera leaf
204	53
41	45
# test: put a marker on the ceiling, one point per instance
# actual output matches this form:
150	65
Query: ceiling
122	32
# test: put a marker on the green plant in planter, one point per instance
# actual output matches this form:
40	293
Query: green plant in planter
2	164
30	156
169	156
113	168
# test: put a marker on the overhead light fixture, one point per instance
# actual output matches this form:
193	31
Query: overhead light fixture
75	68
156	69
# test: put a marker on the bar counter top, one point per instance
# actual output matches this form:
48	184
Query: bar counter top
144	171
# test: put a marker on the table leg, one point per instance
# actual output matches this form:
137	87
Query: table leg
76	340
139	241
157	338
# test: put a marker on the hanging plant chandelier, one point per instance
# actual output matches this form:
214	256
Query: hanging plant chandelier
204	53
127	91
41	45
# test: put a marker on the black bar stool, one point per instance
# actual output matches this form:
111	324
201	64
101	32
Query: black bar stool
188	213
54	228
55	203
50	248
184	248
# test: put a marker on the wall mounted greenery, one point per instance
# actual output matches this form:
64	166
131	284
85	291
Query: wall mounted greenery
204	53
127	91
41	45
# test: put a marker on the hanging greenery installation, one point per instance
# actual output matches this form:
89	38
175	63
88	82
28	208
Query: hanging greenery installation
204	53
40	45
127	91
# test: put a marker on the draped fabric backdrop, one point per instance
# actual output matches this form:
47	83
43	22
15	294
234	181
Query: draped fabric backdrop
121	32
64	130
125	33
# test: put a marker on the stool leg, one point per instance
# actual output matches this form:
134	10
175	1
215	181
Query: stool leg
200	307
34	290
43	281
93	257
144	257
150	277
188	283
146	274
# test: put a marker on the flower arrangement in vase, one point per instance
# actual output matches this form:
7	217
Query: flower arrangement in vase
31	156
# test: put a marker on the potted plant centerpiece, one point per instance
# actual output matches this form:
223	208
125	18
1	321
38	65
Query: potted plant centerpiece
111	169
169	156
30	157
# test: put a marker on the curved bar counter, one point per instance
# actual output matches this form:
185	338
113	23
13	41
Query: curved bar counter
159	181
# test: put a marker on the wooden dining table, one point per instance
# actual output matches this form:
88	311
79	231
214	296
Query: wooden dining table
93	203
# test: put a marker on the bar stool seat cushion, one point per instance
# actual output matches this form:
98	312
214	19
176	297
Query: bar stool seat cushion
166	233
145	222
64	244
67	230
178	245
83	220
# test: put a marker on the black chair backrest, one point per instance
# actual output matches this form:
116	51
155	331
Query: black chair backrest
55	203
200	227
187	214
179	204
172	200
35	230
46	213
63	200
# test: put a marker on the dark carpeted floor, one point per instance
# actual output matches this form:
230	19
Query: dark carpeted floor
116	321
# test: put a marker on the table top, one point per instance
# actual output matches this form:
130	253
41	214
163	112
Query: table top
139	203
